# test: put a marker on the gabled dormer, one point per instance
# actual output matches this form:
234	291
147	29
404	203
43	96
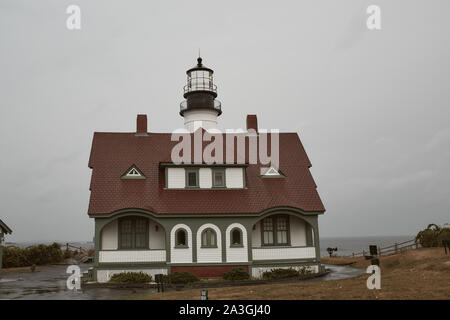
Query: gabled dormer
271	172
133	173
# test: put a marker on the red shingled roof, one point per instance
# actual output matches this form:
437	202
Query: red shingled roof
113	153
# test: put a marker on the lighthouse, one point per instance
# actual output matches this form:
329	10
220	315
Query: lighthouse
200	109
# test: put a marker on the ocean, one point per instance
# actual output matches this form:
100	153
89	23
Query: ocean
348	245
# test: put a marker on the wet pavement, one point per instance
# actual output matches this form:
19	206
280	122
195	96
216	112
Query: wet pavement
339	273
50	284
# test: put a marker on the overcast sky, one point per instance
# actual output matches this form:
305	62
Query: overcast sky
372	108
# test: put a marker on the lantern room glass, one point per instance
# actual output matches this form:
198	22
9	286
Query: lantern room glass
200	80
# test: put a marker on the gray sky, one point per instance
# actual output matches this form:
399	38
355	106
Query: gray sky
372	107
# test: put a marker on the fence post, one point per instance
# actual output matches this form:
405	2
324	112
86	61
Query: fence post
379	251
396	248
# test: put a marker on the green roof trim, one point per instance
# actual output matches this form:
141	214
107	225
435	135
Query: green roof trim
4	227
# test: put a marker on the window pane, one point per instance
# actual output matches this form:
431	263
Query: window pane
267	224
141	225
268	237
126	241
181	238
281	223
282	237
126	233
219	179
205	238
236	237
141	241
126	225
213	238
140	230
192	179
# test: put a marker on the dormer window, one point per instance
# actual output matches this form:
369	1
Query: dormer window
204	176
218	178
271	173
133	173
192	178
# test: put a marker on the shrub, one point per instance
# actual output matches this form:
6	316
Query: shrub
280	273
38	255
432	236
182	277
68	254
304	270
236	274
131	277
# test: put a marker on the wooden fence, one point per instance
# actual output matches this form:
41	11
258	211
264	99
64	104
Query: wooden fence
80	249
392	249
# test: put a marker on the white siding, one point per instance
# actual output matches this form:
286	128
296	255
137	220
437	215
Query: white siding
204	118
205	179
109	236
176	178
180	255
121	256
105	275
297	232
157	239
258	271
234	177
256	235
280	253
209	254
239	254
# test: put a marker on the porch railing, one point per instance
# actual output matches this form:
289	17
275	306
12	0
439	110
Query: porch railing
121	256
282	253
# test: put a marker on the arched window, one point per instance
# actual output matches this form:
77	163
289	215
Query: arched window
209	238
236	237
181	238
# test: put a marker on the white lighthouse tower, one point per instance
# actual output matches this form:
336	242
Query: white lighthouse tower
200	107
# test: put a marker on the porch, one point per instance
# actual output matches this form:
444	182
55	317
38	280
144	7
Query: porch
283	237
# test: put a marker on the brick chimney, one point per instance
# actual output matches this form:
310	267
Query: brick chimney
141	124
252	122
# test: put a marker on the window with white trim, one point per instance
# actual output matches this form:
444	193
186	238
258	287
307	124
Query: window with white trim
209	238
275	231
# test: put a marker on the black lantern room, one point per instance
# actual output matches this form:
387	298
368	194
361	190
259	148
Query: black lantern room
200	92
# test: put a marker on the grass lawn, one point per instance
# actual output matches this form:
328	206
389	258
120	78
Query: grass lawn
416	274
